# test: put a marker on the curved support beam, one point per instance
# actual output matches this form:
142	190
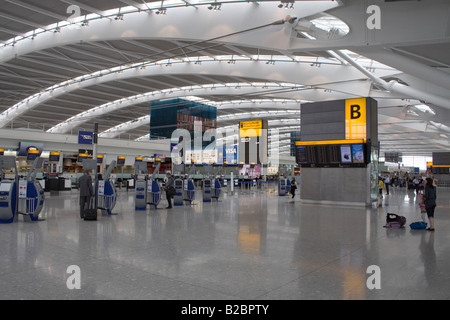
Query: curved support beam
124	127
408	65
285	72
145	120
396	87
177	25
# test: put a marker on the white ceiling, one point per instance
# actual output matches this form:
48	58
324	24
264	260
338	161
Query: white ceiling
249	59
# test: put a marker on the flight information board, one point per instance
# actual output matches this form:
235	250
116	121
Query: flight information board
331	155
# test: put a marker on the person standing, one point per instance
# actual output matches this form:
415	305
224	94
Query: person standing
380	187
387	181
86	191
416	184
169	187
430	202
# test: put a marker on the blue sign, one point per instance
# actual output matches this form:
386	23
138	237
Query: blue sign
230	154
85	137
25	146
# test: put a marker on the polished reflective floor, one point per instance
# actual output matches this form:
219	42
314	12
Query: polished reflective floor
253	244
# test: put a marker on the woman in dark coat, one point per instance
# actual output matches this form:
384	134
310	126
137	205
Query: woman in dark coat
430	202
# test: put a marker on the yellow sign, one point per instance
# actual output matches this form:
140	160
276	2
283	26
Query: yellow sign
121	157
33	151
312	143
100	156
82	154
55	153
355	119
429	163
250	128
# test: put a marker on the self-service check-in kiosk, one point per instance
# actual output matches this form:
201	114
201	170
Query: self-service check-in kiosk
141	173
8	190
189	187
153	188
207	189
107	194
178	183
282	187
216	187
31	193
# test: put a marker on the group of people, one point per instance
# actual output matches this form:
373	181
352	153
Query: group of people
428	197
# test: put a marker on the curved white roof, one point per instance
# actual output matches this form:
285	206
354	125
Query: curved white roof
66	64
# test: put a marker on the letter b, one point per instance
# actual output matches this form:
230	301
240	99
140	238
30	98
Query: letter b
354	111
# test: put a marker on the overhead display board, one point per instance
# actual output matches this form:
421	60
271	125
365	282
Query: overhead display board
337	133
332	153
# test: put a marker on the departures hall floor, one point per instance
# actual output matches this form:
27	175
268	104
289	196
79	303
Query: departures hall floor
250	245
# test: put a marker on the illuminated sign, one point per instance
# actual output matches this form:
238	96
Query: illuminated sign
85	137
355	119
250	128
121	160
2	152
54	156
309	143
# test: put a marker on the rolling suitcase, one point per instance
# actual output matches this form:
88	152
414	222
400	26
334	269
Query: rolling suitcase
91	213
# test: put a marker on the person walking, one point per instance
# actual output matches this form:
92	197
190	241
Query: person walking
86	191
169	187
293	187
430	202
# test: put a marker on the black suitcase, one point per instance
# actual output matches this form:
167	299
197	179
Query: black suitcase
90	214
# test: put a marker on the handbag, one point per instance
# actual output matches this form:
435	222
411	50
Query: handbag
171	191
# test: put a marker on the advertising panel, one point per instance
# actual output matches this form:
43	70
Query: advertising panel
346	154
85	137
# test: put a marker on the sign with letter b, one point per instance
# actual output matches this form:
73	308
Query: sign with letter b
355	119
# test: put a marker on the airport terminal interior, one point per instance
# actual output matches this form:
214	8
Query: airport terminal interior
224	150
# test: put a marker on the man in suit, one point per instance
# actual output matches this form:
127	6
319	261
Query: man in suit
86	191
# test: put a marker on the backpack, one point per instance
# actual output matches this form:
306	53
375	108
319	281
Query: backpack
394	220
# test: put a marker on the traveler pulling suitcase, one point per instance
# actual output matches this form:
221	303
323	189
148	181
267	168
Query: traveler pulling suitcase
91	213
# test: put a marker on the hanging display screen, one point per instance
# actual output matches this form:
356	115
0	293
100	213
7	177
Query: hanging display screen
330	155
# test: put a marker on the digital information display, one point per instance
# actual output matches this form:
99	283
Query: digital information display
319	154
301	155
358	153
32	156
346	154
54	156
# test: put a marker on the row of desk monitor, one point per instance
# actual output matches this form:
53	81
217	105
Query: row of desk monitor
332	155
